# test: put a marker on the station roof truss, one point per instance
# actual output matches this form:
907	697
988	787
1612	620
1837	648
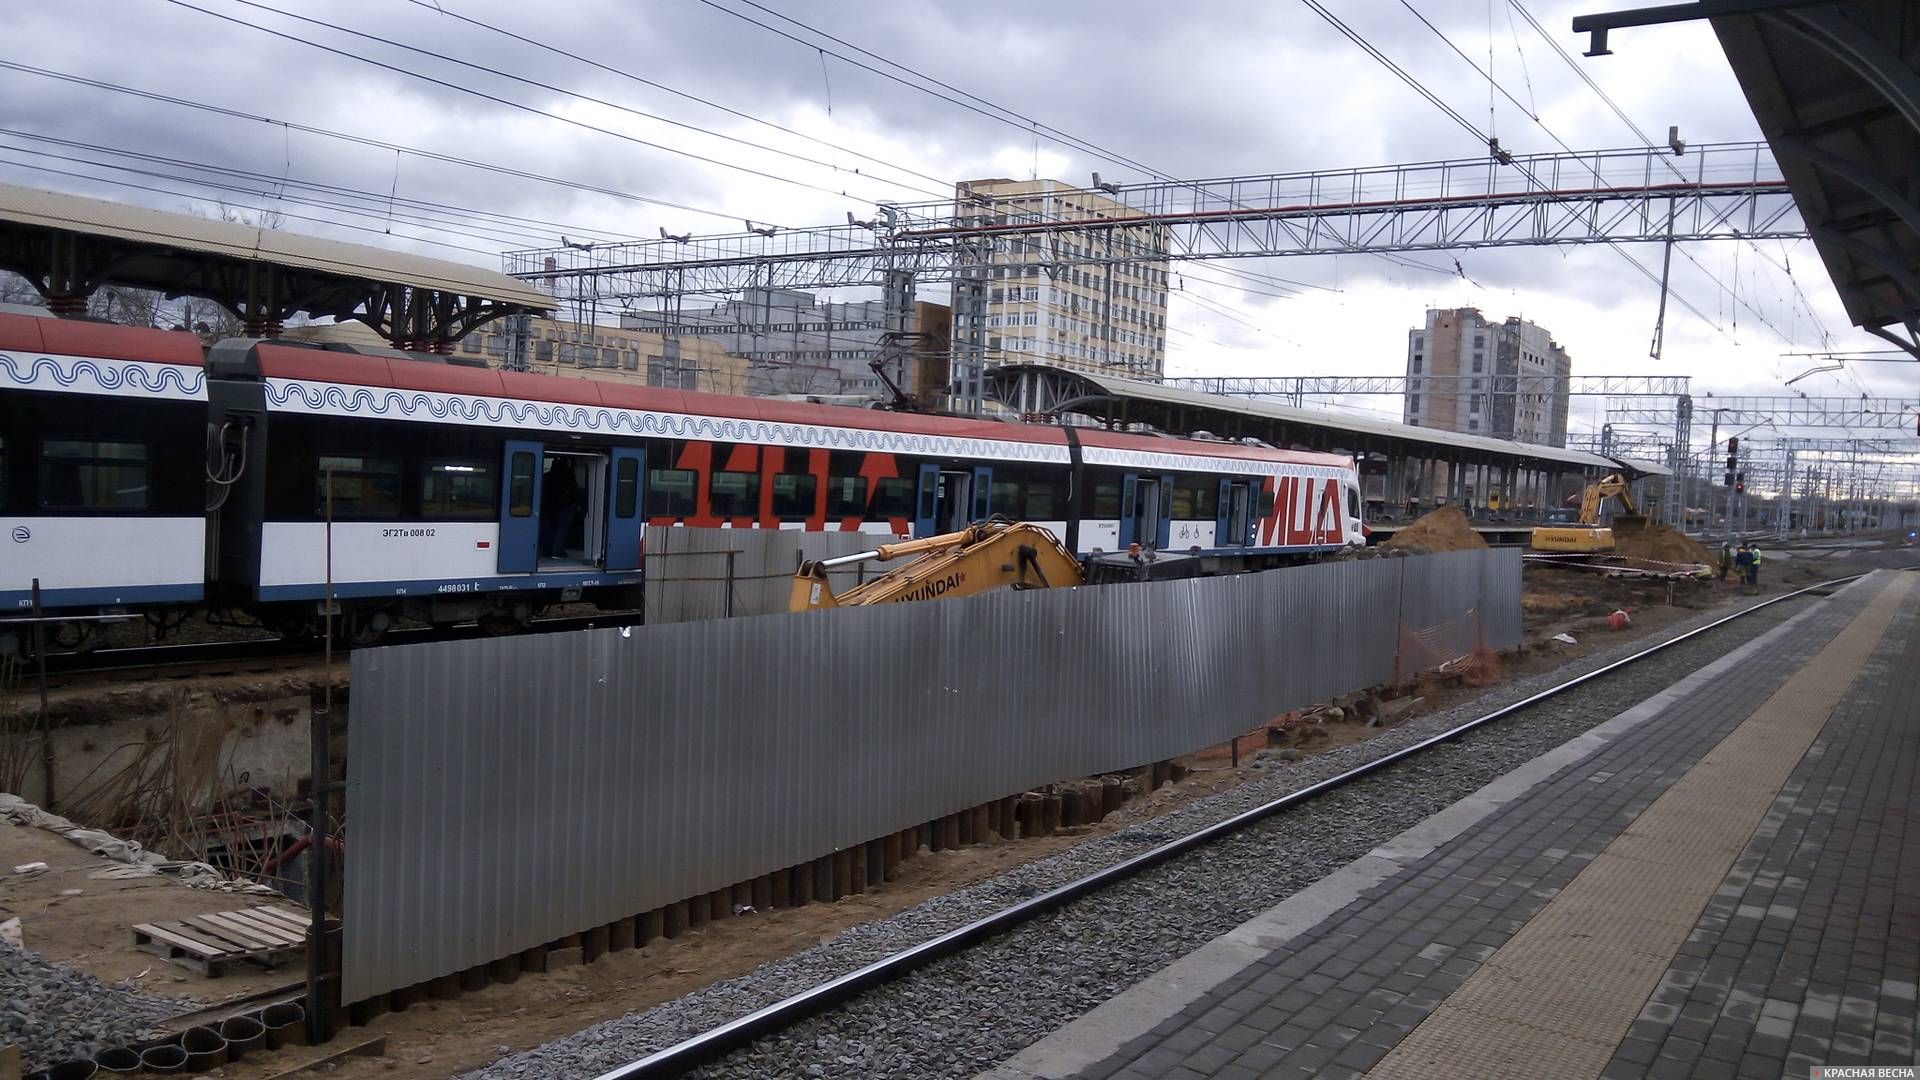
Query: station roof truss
68	246
1836	89
1716	191
1858	413
1041	390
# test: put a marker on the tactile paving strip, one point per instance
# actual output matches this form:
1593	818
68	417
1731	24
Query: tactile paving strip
1558	997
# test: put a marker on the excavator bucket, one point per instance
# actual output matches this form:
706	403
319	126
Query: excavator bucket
1629	523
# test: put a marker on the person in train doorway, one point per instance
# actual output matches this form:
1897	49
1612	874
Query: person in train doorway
1743	564
1726	560
559	503
1753	566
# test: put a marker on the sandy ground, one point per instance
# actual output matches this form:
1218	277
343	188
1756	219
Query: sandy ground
438	1038
69	916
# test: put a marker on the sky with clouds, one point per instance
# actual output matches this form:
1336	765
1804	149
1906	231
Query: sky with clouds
648	113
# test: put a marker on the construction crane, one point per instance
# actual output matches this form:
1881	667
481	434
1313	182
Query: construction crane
987	555
1582	533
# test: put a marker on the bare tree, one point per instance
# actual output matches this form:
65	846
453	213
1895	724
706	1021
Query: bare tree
15	289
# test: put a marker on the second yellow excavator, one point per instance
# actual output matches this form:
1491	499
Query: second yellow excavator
1583	534
988	555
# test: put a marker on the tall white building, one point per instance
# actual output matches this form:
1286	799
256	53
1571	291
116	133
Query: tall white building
1505	380
1103	312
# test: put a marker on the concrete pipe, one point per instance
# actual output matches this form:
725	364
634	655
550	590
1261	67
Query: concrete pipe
165	1058
243	1034
119	1061
286	1024
205	1049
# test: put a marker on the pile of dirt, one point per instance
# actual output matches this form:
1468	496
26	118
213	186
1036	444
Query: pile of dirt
1445	529
1661	544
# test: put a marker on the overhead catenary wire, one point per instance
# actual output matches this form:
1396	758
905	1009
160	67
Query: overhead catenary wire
942	90
382	199
364	140
523	80
439	8
522	106
273	195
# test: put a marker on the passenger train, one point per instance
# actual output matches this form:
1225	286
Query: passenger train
141	473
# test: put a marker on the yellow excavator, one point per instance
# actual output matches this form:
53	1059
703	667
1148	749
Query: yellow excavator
1582	533
987	555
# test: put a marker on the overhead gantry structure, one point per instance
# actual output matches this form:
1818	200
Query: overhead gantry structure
1709	192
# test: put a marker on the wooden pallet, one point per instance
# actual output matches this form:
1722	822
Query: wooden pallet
263	936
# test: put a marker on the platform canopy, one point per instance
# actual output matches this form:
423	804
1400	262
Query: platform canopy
1836	89
1048	390
68	246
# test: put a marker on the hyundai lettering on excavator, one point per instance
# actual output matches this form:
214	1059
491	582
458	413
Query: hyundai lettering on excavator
988	555
1582	533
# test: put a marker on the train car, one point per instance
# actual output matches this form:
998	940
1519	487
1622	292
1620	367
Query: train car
275	473
102	490
471	493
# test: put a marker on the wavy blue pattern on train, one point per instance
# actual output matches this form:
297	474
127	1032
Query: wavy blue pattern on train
113	377
506	412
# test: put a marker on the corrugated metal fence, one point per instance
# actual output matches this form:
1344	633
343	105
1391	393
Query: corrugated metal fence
714	573
506	792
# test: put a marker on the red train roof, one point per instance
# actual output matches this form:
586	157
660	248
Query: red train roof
294	362
75	337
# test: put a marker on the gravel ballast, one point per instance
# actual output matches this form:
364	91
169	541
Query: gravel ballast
56	1014
972	1011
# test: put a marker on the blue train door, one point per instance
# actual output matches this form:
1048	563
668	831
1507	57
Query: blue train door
1223	534
520	508
1127	504
982	493
927	501
1163	513
626	502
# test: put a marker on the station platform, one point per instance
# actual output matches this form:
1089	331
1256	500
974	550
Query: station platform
1722	881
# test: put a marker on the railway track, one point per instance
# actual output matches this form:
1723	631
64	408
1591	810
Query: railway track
690	1053
197	659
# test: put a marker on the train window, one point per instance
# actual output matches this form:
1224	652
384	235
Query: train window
1046	501
1106	499
793	496
626	487
455	490
1006	497
362	486
734	494
88	474
893	498
1353	503
3	472
670	492
847	497
1196	499
520	493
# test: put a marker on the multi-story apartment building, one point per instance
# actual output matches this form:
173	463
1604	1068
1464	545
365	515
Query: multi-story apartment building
613	353
1093	301
795	344
1506	380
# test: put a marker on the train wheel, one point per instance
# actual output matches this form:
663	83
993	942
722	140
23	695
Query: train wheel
503	621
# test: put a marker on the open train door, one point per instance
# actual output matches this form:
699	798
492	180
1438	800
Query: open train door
520	508
626	498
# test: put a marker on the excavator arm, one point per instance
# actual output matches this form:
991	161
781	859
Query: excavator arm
989	555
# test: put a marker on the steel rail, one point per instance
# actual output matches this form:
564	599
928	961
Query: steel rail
690	1053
